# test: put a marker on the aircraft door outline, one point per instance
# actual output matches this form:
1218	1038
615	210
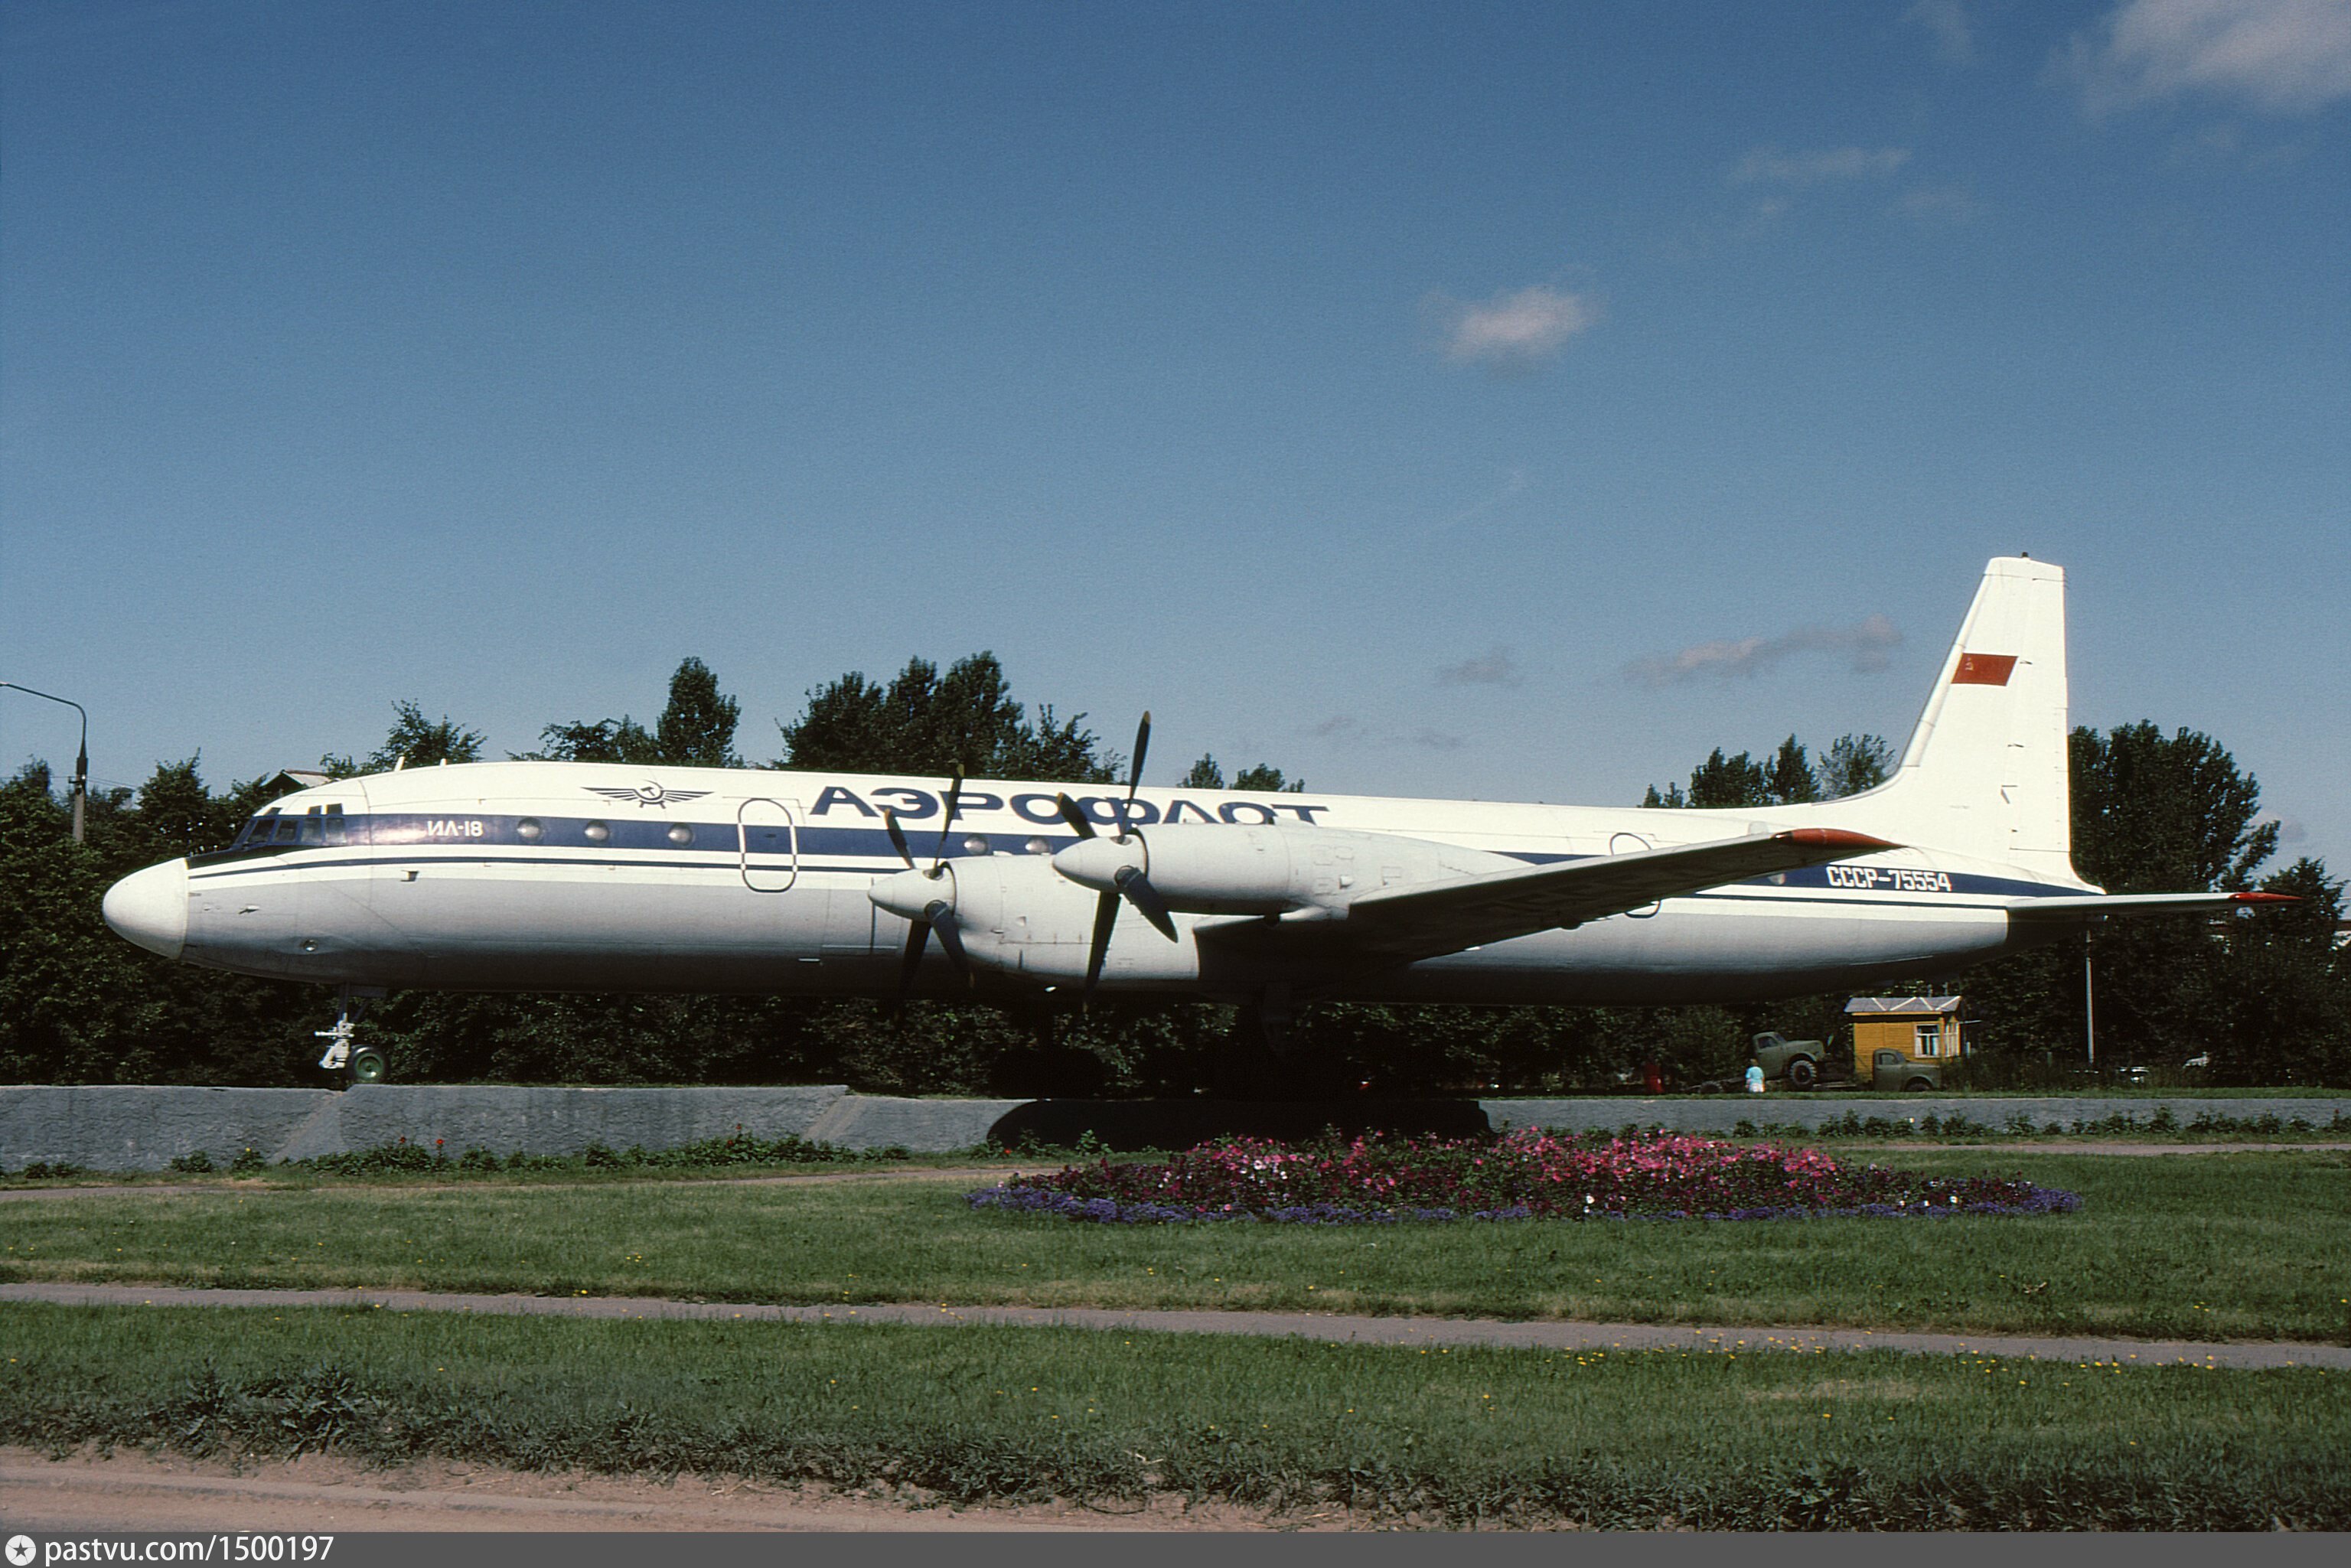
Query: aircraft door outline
766	837
1631	844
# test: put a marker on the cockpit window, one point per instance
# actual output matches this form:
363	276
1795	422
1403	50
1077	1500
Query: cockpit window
314	827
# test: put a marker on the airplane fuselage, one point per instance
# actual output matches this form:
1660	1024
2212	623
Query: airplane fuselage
565	876
580	876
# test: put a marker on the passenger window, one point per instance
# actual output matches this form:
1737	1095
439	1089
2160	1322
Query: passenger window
596	833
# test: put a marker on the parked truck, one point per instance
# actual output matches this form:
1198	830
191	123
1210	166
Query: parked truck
1811	1064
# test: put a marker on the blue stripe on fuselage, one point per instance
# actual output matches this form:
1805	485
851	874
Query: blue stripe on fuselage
565	840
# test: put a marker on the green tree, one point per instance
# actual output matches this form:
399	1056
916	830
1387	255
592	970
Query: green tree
1790	782
1853	763
2152	813
2286	985
1722	781
697	728
1268	777
80	1005
621	739
413	741
1207	774
927	723
2155	813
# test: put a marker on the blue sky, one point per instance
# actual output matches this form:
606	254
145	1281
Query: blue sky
1499	401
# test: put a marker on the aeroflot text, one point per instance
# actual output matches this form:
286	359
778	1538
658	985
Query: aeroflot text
914	805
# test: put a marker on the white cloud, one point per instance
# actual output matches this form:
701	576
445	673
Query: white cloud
1952	203
1499	668
2278	56
1770	166
1864	645
1348	730
1513	330
1955	38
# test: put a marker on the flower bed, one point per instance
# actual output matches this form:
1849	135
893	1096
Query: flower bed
1520	1175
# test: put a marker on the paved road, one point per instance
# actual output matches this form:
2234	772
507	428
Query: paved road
1330	1326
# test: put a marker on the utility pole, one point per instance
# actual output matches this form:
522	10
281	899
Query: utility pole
81	762
2089	1005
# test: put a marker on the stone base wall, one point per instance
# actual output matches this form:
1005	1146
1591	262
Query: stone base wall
135	1128
1721	1112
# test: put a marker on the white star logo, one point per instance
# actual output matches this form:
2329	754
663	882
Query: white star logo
646	794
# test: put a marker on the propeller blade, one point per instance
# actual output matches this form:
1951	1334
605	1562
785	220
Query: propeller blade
941	922
1105	917
954	792
1134	771
917	935
1075	817
897	837
1146	900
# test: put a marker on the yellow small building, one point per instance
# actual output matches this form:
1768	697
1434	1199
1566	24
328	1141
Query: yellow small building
1925	1029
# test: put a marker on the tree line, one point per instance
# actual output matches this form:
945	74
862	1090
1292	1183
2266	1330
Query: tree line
2265	999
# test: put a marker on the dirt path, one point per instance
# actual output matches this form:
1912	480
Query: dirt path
127	1492
1333	1327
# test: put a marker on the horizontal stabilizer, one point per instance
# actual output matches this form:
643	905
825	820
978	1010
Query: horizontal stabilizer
1405	925
2054	910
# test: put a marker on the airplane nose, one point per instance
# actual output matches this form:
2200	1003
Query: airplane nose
151	908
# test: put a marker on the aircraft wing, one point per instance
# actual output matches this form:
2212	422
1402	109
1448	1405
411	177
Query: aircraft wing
1405	925
2055	910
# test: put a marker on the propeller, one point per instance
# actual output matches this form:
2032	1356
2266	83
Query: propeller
938	915
1128	881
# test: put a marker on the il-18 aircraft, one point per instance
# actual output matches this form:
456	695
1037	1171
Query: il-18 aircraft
602	877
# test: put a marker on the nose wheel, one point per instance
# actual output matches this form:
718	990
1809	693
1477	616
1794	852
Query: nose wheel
365	1064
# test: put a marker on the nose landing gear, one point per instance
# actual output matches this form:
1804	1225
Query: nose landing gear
365	1064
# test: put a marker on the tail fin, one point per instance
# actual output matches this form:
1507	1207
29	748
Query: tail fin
1985	774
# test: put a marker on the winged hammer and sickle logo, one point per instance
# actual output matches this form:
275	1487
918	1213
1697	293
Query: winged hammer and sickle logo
646	794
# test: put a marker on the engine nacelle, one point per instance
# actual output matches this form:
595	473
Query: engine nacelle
1276	869
1016	915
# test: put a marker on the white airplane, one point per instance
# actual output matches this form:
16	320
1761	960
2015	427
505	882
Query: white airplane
602	877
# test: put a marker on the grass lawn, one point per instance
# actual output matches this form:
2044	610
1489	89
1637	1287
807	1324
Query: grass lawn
2210	1246
1627	1440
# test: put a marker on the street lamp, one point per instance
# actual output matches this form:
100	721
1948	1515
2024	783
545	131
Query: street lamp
81	763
